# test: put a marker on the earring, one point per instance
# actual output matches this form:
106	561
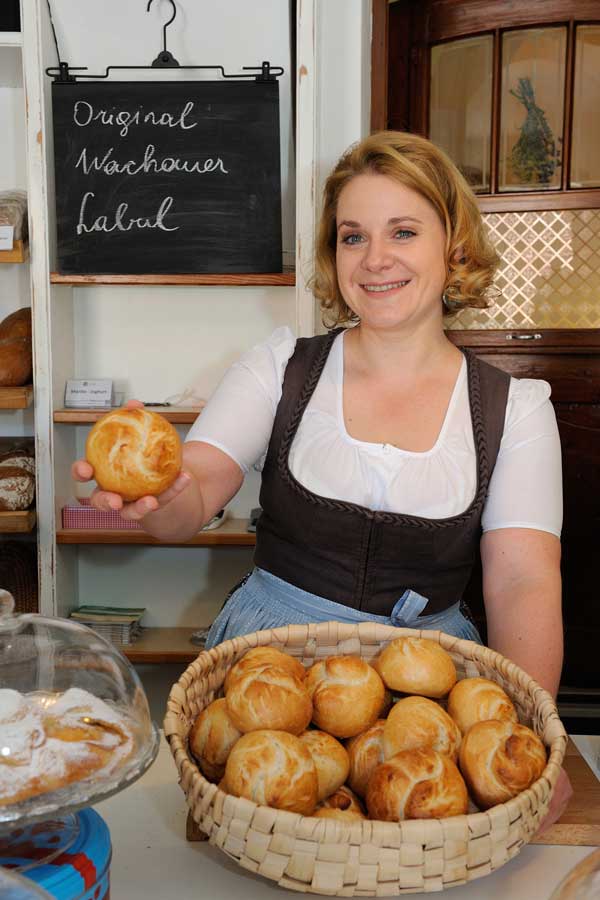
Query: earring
450	304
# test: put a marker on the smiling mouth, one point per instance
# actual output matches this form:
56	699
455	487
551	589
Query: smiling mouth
382	288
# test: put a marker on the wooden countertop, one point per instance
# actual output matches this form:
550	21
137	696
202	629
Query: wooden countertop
580	823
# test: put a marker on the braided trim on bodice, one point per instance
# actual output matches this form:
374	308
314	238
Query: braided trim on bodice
388	518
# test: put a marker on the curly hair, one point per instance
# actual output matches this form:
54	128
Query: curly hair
417	163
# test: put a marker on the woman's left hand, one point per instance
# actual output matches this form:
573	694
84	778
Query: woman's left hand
559	802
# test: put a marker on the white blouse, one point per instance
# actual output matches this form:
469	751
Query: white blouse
525	489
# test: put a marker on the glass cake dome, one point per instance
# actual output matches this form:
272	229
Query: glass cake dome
13	887
75	725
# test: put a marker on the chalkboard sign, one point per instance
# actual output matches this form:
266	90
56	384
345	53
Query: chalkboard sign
167	177
10	19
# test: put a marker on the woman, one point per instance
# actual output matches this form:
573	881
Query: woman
392	458
388	451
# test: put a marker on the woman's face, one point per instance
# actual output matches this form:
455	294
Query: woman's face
390	255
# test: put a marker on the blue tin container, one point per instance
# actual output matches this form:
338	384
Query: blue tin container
68	857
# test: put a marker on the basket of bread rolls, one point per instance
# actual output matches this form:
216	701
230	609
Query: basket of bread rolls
363	759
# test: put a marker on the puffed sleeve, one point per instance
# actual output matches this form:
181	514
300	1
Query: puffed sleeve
239	416
526	485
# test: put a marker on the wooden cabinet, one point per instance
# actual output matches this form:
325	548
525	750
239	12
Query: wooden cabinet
570	362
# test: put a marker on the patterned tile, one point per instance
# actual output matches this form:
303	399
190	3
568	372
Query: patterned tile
550	271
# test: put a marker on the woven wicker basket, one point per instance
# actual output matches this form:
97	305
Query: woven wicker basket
369	858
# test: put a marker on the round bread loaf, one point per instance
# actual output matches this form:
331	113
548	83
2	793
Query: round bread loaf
134	453
366	753
273	768
260	656
344	800
347	695
418	722
211	738
416	666
498	760
416	784
17	488
474	700
269	697
331	760
16	360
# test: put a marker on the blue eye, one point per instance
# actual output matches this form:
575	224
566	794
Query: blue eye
404	233
352	239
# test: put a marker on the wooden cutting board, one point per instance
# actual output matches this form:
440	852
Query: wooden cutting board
580	823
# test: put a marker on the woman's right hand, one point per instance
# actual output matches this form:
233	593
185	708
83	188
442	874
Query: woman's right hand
107	501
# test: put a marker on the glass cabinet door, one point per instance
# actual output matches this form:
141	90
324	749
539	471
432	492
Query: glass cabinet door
532	109
585	153
460	112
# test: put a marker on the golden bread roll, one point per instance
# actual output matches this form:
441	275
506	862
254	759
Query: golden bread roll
260	656
419	722
477	699
331	760
416	784
211	738
273	768
342	815
366	753
416	666
134	453
347	695
344	800
269	697
498	760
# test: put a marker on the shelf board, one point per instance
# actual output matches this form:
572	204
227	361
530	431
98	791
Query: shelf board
231	533
18	254
281	279
177	415
162	645
11	39
16	397
19	522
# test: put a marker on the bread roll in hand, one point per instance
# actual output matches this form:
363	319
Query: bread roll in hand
273	768
416	784
499	760
134	453
416	666
474	700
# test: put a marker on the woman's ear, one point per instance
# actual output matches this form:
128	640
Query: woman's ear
458	255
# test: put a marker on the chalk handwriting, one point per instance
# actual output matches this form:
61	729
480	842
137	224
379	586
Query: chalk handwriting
84	114
166	164
120	223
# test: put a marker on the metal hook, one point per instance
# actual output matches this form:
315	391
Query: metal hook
165	59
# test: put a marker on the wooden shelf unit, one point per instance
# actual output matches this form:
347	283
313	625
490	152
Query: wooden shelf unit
281	279
18	254
177	415
19	522
162	645
232	533
16	397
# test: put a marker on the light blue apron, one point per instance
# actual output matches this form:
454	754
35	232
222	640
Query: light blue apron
265	601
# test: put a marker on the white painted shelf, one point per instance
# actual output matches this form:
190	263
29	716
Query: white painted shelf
11	39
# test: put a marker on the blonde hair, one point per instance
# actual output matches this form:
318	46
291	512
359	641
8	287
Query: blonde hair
415	162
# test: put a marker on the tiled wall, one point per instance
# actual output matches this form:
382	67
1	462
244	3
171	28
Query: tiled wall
550	272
